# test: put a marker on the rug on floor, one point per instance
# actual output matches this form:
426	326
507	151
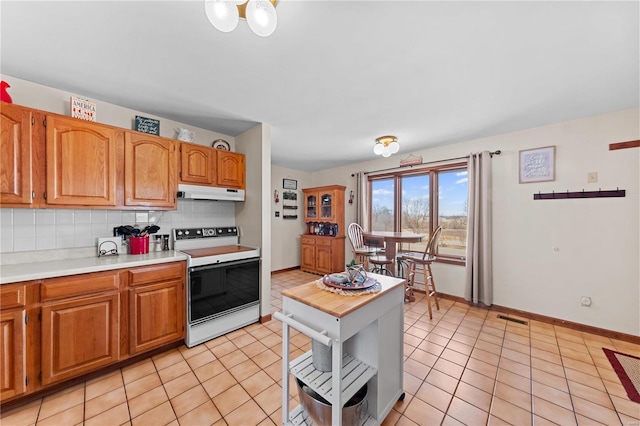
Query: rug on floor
627	367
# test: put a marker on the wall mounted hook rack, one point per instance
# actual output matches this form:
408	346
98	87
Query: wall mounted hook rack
579	194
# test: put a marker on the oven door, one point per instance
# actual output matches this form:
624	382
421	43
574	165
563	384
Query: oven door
222	288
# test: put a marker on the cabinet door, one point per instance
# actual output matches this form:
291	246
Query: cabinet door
150	171
198	164
16	146
81	162
231	169
324	259
12	353
79	335
156	315
311	203
308	257
326	200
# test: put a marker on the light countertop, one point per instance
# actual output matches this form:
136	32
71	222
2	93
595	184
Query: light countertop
63	267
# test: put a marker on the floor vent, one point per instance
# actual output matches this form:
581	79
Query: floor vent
519	321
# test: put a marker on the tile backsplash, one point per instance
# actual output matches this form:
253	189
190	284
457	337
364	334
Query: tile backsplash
46	229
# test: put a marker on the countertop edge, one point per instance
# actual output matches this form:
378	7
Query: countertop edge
20	272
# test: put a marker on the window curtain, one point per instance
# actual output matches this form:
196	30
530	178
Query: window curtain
362	200
479	274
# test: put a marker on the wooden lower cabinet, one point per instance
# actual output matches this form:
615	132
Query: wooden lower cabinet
157	307
13	353
322	255
88	321
13	340
156	315
79	336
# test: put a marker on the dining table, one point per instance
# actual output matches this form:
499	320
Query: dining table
391	240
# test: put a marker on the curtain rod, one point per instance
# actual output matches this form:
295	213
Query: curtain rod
496	152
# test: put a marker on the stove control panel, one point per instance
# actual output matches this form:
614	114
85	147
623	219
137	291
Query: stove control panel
192	233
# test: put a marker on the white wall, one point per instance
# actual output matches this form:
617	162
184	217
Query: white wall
252	216
597	239
285	245
48	99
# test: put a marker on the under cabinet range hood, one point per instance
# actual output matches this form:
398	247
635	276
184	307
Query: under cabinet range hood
196	192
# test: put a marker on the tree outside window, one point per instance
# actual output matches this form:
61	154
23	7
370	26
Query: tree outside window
420	200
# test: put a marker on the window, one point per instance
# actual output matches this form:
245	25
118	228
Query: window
382	205
419	201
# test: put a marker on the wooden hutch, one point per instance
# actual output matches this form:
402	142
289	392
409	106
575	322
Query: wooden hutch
322	244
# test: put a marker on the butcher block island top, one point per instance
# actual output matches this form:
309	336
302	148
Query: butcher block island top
338	305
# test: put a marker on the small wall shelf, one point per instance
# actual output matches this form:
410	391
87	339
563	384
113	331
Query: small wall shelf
579	194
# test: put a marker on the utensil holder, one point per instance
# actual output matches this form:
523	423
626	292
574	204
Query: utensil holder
138	245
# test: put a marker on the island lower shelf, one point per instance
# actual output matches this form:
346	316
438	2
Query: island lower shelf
355	374
365	335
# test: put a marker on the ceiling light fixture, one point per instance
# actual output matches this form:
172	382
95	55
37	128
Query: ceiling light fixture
386	145
260	15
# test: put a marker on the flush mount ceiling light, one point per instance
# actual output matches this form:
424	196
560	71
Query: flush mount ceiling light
260	15
386	145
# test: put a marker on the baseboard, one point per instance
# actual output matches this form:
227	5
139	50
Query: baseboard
265	318
280	271
549	320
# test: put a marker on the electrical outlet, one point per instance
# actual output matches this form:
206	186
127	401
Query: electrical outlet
142	217
592	177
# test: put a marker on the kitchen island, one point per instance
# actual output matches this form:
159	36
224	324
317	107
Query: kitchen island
365	333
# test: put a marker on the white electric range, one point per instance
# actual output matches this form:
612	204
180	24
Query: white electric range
223	290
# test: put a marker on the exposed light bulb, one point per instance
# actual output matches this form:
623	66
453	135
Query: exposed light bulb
222	14
386	153
394	147
378	148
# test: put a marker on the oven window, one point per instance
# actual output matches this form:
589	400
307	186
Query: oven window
219	288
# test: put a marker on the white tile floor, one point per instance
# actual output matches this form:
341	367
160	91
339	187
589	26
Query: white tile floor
465	366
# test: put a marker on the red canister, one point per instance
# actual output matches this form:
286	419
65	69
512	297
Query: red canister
138	245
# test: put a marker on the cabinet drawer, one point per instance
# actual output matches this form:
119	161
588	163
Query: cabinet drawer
77	285
323	242
155	273
12	296
308	240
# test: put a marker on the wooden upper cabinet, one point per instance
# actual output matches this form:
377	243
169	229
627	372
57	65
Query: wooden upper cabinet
81	162
325	204
231	169
16	147
150	178
198	164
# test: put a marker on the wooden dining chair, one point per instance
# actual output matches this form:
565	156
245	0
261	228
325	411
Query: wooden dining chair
422	263
361	252
379	261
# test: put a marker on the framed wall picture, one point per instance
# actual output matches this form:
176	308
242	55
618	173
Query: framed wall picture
289	184
538	165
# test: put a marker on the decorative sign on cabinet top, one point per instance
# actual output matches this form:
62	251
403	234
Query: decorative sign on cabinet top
147	125
83	109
